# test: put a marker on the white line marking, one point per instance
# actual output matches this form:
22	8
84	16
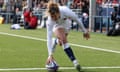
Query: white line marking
89	47
61	68
27	37
95	48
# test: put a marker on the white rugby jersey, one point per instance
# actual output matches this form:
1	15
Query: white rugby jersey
65	14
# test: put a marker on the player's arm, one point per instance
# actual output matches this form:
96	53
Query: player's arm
49	36
73	16
69	13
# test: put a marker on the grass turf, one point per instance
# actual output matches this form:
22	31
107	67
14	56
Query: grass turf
18	52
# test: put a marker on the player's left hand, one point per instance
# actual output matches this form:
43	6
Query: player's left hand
86	35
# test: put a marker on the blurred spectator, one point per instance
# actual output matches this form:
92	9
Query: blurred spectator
1	3
10	10
33	21
24	5
119	9
63	2
18	4
72	6
30	20
85	20
10	6
99	9
26	15
85	6
16	16
69	3
99	2
37	7
76	1
42	5
80	4
115	17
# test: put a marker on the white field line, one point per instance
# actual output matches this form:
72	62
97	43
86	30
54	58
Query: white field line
61	68
88	47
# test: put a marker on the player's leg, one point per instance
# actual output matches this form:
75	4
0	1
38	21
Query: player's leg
62	36
54	43
68	50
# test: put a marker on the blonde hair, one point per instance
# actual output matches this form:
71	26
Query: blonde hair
53	8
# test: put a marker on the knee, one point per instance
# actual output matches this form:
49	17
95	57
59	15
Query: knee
63	41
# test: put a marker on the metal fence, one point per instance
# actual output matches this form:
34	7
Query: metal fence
101	23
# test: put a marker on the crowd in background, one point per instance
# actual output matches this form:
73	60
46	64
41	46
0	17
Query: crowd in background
16	6
103	7
41	4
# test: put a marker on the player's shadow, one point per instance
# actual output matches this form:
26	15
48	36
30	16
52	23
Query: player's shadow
80	71
86	71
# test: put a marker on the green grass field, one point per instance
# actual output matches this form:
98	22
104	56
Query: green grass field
26	51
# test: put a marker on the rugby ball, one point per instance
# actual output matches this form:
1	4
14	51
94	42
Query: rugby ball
52	66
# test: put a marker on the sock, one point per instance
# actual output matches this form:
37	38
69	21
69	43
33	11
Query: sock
69	52
54	43
57	41
75	62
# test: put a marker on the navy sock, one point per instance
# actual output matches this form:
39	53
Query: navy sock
69	53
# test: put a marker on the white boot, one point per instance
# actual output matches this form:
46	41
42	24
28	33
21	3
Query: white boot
77	65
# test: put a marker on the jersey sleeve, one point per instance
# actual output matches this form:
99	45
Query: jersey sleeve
69	13
49	36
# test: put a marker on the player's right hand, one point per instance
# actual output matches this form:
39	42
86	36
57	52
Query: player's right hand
49	59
